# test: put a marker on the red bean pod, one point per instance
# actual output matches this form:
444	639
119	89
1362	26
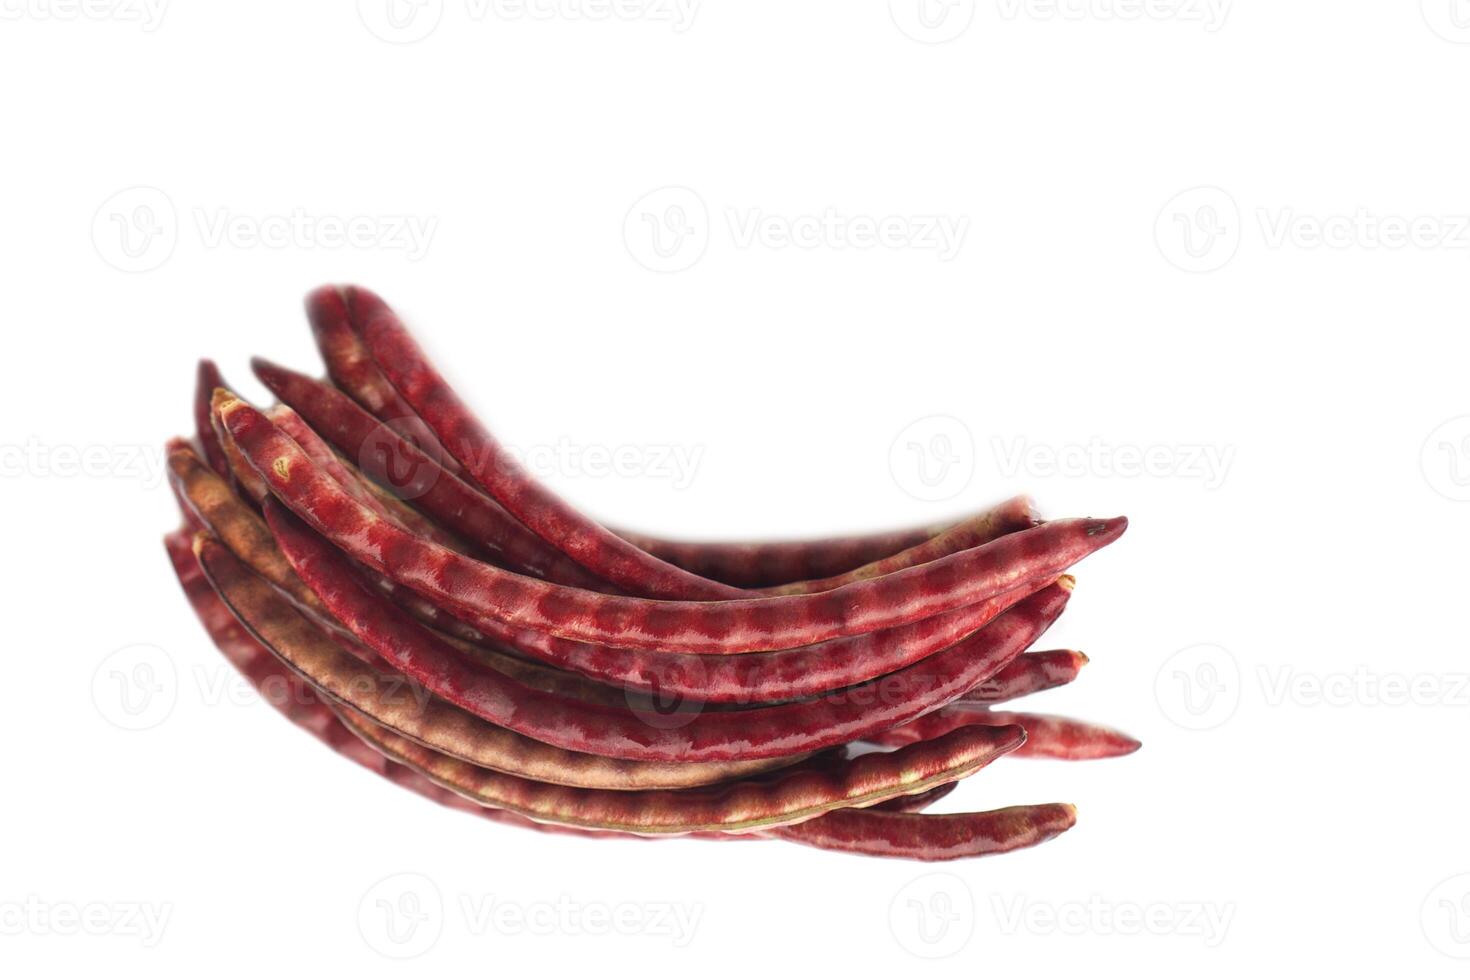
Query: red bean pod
933	837
397	702
1029	673
756	733
331	315
1050	736
500	474
754	805
405	470
1016	514
474	590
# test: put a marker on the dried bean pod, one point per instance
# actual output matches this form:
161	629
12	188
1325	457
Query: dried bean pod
1050	736
397	703
473	590
732	808
501	475
207	379
243	477
777	730
352	370
1016	514
1029	673
933	837
397	464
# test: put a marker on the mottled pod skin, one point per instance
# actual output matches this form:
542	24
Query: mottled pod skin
474	590
501	475
396	702
1016	514
352	370
618	732
1050	736
1029	673
207	379
933	837
398	465
737	807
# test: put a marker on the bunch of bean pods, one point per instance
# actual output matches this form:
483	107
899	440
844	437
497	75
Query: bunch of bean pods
390	578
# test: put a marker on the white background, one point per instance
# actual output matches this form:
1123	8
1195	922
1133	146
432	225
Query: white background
1256	627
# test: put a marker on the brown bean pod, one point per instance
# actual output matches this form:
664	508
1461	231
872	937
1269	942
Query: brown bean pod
207	379
474	590
754	805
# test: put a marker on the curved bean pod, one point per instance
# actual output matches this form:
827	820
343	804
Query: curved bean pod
1016	514
1050	736
475	591
501	475
774	731
408	472
933	837
207	379
732	808
396	703
1030	673
330	313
